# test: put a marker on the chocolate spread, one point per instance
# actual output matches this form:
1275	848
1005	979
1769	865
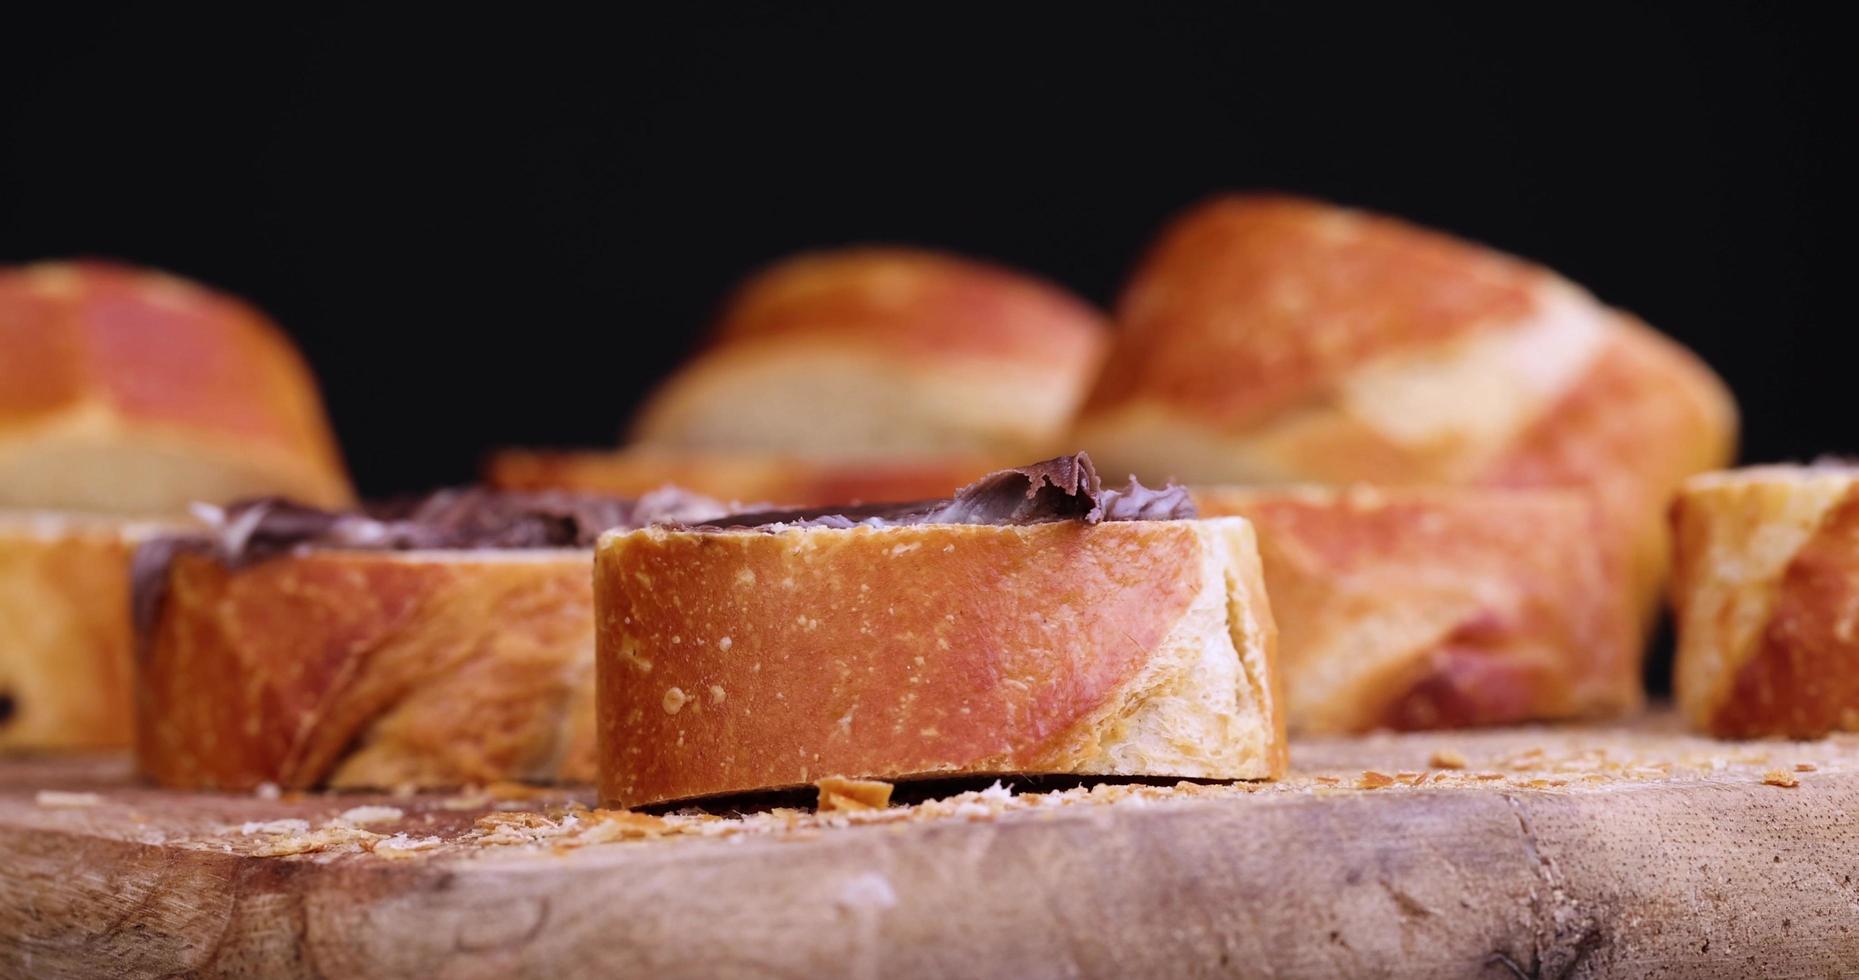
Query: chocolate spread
254	530
1061	489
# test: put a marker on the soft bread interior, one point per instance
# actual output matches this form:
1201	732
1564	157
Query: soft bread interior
1206	705
831	401
149	475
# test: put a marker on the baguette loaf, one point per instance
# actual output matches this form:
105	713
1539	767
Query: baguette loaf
307	649
132	392
1766	594
1030	624
1437	608
1276	340
786	481
882	353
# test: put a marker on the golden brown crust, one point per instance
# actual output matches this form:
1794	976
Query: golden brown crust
370	669
1278	341
878	352
102	354
1414	609
64	616
916	302
1647	415
746	478
1249	304
740	661
1767	597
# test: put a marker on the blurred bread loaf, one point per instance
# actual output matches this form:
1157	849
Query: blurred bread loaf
125	395
1033	623
129	391
448	644
760	478
1766	595
1440	607
1269	339
882	352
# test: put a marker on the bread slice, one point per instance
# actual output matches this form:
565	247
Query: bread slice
132	392
1766	598
370	669
1269	339
64	630
734	659
302	649
880	353
758	478
1441	607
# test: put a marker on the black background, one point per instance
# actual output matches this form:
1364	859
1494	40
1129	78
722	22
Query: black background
499	230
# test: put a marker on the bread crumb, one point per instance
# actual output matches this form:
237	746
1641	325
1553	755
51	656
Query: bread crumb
326	839
612	825
61	798
1447	759
371	814
1805	767
402	846
290	826
674	700
717	694
1780	777
267	791
1374	780
838	793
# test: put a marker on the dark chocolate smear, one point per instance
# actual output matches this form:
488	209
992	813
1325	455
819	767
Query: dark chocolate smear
1060	489
251	531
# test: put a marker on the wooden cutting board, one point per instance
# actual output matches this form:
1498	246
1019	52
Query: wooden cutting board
1627	851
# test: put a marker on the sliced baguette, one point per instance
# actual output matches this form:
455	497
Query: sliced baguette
64	630
1766	598
1270	339
125	396
128	391
732	661
878	352
1442	607
369	669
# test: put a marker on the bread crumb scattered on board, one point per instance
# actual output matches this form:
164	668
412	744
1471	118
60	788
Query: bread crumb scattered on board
838	793
61	798
1780	777
1447	759
371	814
1374	780
286	826
402	846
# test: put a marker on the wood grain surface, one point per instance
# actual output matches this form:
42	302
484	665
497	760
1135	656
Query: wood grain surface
1631	852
